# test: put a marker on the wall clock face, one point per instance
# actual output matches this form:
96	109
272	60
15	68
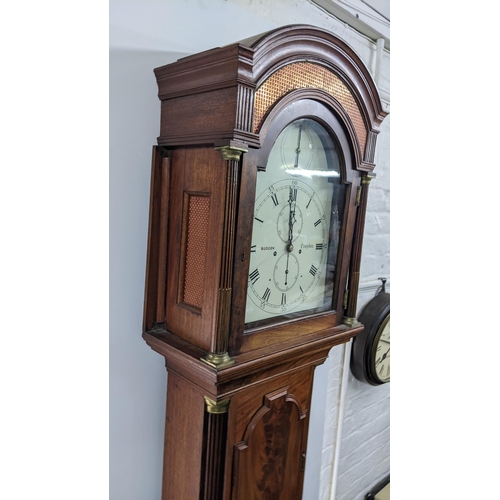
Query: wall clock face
296	228
371	351
382	357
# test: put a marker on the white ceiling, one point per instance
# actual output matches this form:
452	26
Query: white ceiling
370	17
380	6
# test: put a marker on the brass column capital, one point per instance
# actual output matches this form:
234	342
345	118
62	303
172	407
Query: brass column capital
366	179
231	152
216	407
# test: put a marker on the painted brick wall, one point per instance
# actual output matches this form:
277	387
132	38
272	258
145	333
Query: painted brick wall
364	457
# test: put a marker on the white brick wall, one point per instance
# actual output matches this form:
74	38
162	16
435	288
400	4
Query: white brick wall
364	444
364	457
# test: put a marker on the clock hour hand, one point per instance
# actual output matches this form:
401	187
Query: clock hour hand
286	270
379	360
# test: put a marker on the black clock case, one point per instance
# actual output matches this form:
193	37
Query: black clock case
363	350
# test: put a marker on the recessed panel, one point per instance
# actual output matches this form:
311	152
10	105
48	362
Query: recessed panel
195	251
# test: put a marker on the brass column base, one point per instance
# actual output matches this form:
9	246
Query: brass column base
218	361
350	321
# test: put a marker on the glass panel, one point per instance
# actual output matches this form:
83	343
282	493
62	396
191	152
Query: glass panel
296	228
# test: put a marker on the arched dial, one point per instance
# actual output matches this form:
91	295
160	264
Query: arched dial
296	225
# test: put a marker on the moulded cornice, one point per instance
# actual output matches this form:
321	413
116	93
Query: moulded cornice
228	76
213	69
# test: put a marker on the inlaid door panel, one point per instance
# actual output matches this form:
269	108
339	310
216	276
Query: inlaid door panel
268	462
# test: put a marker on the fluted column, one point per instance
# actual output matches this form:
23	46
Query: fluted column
214	449
353	286
219	357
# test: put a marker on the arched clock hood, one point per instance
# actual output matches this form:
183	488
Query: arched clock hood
243	71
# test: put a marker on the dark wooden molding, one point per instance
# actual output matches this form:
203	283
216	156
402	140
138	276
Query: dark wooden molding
206	71
269	399
293	43
251	367
311	102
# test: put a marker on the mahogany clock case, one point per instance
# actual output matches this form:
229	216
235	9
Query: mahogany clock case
202	206
239	394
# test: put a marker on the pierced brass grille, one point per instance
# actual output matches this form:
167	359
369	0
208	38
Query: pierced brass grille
196	249
301	75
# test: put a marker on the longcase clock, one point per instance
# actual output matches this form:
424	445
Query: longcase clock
258	199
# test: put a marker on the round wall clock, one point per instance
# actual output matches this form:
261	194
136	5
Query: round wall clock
371	351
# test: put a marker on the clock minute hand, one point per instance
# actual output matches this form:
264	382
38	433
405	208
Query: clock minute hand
289	246
291	222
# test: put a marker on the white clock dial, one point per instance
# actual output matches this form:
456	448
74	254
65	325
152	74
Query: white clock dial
289	248
296	225
383	353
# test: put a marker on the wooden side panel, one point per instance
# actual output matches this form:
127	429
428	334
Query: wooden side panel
183	440
154	297
195	238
